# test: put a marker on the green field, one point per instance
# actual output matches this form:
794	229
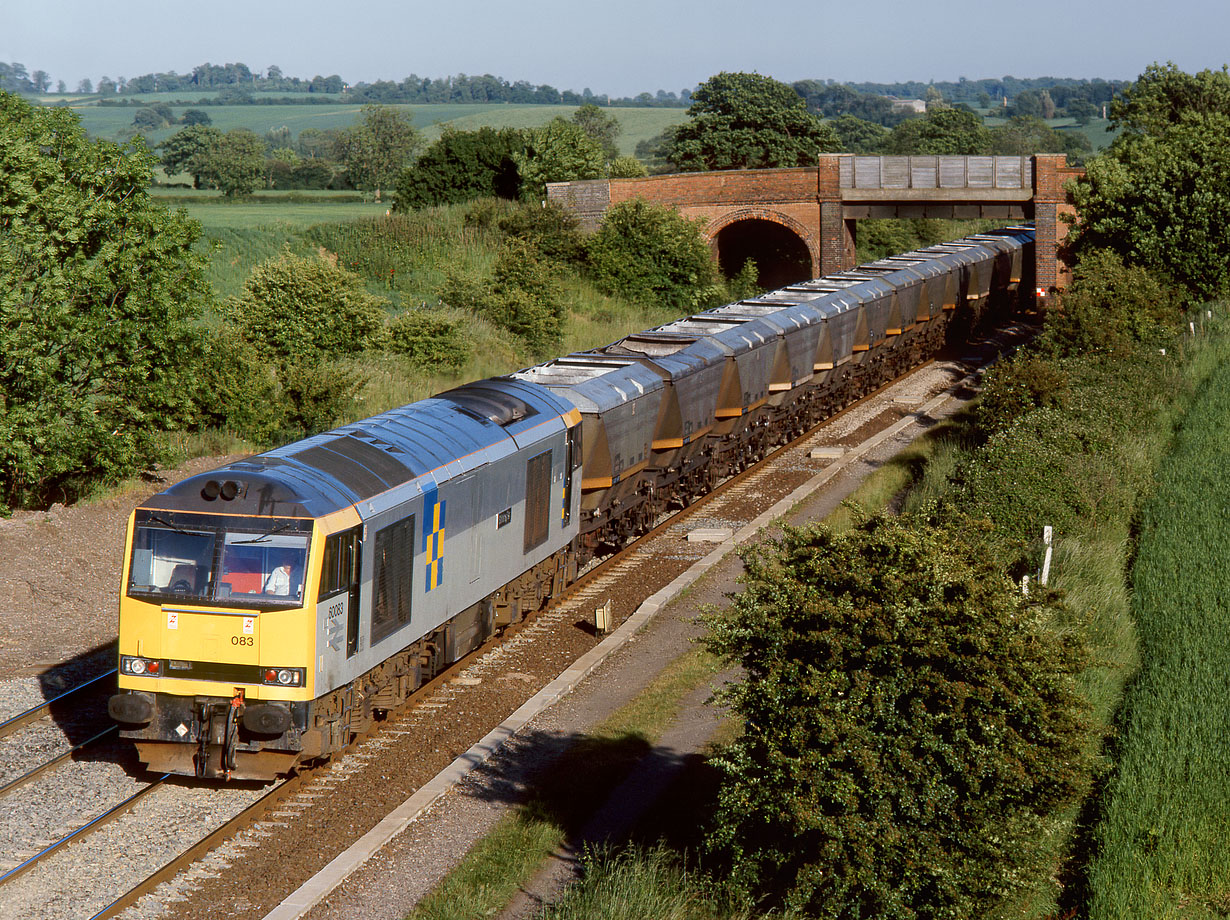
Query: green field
115	122
269	209
1162	843
1096	131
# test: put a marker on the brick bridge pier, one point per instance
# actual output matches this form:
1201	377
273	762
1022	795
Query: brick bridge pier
802	222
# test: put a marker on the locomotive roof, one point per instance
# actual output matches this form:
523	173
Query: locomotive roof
420	444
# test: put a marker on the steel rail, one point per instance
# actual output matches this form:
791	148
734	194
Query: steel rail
54	762
92	825
42	709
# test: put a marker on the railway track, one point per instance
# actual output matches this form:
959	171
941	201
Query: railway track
44	709
272	813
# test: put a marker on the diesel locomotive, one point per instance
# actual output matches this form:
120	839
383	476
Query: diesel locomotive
273	607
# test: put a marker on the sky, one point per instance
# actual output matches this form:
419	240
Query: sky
619	48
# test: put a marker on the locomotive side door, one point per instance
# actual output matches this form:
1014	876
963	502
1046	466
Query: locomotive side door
352	609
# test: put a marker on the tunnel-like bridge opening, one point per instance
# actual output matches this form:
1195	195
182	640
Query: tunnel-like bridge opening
781	257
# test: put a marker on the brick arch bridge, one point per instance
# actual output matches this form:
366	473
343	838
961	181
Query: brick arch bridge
802	222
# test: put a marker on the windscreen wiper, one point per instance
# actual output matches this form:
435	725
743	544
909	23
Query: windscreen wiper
263	537
165	523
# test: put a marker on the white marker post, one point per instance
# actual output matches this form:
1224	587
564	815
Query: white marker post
1046	561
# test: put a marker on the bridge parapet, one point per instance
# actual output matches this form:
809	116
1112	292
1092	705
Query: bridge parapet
935	172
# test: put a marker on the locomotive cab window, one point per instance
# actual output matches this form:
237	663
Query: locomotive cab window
225	561
178	562
271	566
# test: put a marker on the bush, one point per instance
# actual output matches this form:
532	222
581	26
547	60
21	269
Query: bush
552	232
526	299
196	117
486	213
316	396
1112	307
430	340
522	297
1017	386
295	308
651	254
301	316
237	390
627	168
909	726
1069	463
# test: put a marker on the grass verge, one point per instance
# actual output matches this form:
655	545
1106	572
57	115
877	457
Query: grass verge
563	798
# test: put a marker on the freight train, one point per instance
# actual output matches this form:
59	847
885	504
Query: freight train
272	608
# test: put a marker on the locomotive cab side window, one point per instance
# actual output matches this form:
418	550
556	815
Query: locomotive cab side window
339	574
339	569
572	463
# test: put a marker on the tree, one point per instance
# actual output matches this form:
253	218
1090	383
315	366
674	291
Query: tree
941	132
858	136
909	726
196	117
1026	102
1163	93
652	254
559	151
1160	195
40	80
600	126
1047	104
460	166
236	164
152	117
189	151
1082	110
315	143
85	86
1162	201
99	291
748	121
376	150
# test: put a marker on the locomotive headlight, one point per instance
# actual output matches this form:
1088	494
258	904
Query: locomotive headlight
284	677
130	664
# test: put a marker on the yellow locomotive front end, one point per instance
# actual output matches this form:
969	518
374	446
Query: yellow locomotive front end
217	634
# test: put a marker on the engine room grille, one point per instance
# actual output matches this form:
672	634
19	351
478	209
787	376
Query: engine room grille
537	500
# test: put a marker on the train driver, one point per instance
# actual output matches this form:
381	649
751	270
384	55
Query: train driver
278	581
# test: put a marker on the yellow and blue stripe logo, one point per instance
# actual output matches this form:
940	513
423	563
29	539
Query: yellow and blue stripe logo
433	537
